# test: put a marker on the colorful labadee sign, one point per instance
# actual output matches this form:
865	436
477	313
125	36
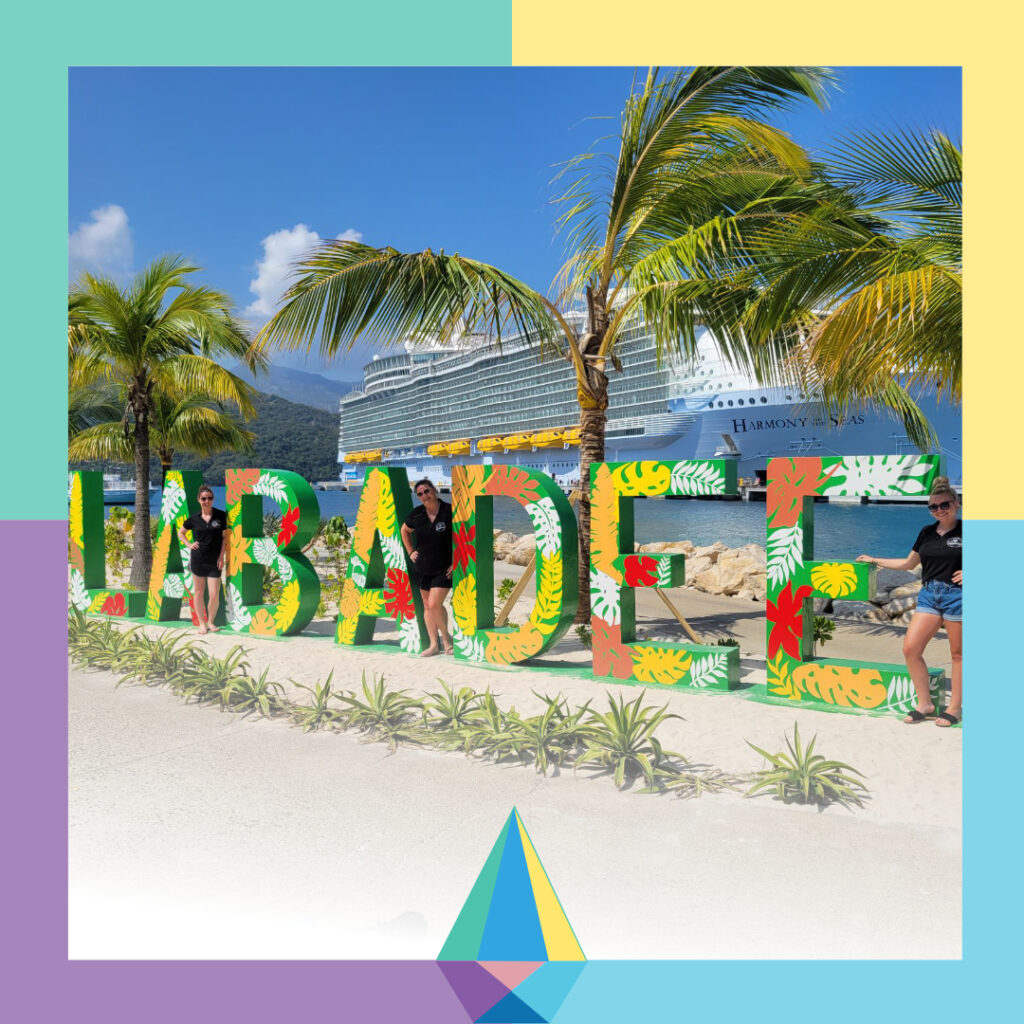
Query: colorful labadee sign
474	489
87	552
377	582
170	581
615	571
249	551
794	578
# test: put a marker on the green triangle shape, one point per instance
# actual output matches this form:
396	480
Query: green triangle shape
463	942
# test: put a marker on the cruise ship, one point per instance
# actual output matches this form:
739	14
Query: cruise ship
429	408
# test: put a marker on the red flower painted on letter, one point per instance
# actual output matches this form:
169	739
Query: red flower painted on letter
398	595
787	621
114	605
289	524
641	571
465	548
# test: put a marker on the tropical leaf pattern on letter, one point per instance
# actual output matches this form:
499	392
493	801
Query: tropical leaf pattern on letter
79	595
357	570
785	553
287	607
238	554
611	655
710	670
464	604
469	646
173	586
172	500
660	664
468	483
547	527
789	482
348	606
639	478
347	630
262	623
694	477
366	516
394	554
840	685
409	636
371	602
882	475
835	579
548	606
270	485
386	508
76	520
779	682
900	694
512	482
284	568
604	523
161	553
264	551
605	600
238	482
506	648
238	615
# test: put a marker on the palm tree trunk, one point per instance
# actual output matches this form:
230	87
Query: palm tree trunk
592	422
142	552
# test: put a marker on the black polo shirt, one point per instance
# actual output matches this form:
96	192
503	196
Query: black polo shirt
940	556
208	535
433	539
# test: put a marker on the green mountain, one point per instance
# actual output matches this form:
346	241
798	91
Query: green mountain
288	436
299	386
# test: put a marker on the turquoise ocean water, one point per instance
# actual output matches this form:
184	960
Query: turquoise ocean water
840	531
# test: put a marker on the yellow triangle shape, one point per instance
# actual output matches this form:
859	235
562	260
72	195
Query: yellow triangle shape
559	938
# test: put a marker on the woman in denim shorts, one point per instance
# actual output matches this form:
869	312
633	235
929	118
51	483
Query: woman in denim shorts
939	551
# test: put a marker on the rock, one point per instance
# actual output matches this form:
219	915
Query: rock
907	590
905	618
756	552
711	551
695	565
895	609
680	546
890	579
525	548
822	605
882	597
727	579
740	560
504	542
858	611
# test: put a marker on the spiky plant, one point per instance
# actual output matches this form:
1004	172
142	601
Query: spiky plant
319	712
382	713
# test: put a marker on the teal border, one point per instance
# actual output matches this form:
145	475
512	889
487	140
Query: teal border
44	41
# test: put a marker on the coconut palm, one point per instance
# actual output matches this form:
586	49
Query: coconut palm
158	334
871	275
692	158
190	422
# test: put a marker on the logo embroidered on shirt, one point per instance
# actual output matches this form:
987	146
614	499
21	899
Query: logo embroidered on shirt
439	527
955	542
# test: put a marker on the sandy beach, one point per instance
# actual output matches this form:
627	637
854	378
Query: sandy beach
201	834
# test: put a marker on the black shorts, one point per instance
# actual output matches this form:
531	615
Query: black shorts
431	580
200	568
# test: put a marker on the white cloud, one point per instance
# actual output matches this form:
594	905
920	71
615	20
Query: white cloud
280	250
102	245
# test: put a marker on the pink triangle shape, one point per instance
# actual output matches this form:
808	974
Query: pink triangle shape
510	972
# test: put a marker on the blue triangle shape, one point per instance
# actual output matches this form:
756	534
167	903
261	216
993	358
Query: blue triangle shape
513	930
511	1010
545	990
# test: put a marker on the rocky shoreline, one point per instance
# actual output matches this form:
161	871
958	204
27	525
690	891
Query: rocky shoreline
742	573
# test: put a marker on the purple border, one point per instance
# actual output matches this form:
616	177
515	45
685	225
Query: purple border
45	985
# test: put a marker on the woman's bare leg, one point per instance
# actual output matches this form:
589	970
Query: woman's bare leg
955	630
199	600
213	587
921	629
437	596
429	620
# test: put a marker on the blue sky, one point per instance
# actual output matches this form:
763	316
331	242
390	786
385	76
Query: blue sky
241	169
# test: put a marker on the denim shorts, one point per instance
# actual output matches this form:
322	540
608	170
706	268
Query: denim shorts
944	599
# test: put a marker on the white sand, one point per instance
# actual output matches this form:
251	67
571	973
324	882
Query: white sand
201	834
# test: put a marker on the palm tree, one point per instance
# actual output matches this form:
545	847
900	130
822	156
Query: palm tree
191	422
693	160
871	275
148	341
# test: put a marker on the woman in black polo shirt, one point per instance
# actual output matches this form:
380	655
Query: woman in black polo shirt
939	551
427	536
209	546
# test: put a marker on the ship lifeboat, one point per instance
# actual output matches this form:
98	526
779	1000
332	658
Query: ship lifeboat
517	442
460	447
547	438
571	436
490	444
366	456
437	449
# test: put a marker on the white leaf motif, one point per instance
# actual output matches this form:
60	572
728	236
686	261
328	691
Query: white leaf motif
900	693
604	597
264	550
238	615
79	594
357	570
546	526
471	648
409	636
271	486
284	568
712	668
173	586
879	475
785	553
394	554
696	477
172	500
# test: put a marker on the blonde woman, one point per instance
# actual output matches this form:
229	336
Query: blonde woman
939	551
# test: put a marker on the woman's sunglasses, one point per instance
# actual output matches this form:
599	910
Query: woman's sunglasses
206	497
422	494
940	507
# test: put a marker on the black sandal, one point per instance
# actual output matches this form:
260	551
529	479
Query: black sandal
946	720
915	717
